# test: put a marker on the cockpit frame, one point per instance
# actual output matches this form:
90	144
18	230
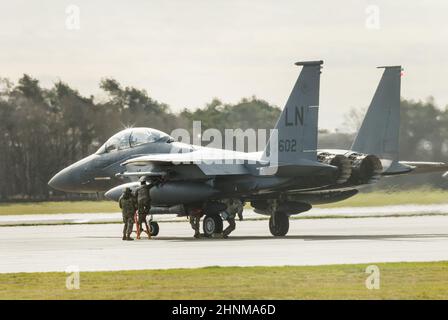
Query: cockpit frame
131	138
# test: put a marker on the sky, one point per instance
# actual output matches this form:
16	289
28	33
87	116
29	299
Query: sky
185	53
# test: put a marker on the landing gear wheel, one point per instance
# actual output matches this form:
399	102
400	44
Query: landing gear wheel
212	224
154	228
279	224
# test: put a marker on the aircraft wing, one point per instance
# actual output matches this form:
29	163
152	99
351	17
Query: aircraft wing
210	161
197	157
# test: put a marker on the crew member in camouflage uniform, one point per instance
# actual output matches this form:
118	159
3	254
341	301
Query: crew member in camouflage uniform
234	207
240	211
144	205
127	205
195	218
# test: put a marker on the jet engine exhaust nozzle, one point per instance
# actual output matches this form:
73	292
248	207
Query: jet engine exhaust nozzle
366	169
341	162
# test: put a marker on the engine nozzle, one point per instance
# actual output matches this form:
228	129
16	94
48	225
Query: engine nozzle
340	161
366	168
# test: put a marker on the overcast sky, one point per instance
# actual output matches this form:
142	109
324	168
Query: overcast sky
185	53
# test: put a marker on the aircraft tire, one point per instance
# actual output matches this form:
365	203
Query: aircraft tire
281	226
212	224
154	228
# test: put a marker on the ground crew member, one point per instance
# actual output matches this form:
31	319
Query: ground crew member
195	218
144	205
127	205
240	211
234	207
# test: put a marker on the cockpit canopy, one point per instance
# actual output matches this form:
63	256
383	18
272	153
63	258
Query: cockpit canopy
132	137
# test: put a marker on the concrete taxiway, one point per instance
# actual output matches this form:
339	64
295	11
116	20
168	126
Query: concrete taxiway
115	217
309	242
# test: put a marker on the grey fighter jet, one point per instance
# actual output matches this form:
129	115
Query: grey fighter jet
285	179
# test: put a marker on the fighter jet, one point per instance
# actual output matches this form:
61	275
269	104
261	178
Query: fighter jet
287	178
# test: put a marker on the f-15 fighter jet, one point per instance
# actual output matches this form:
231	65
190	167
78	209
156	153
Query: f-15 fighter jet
285	179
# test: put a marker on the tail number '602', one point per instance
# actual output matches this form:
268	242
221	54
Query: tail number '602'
287	145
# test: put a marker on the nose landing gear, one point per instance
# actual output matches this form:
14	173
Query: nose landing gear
154	228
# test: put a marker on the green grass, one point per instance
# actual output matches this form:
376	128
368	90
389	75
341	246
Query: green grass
378	198
53	207
418	196
423	280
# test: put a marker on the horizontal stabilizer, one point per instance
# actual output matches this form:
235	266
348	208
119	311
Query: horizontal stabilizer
415	167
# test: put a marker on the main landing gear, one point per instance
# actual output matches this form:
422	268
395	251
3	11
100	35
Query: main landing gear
279	211
279	224
212	224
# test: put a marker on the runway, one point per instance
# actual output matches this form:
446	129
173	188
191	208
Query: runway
309	242
115	217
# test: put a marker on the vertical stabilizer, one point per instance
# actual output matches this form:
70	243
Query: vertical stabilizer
296	129
379	131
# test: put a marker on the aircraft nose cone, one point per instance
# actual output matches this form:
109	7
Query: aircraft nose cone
61	181
74	178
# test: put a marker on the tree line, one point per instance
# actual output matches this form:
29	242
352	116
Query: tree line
43	130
